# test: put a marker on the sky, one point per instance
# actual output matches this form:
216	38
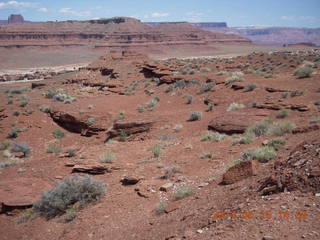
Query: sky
290	13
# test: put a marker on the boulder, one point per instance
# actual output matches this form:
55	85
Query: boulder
91	169
239	172
129	180
235	122
74	122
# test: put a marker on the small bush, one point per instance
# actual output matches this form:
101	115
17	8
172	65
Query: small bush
189	98
160	209
45	109
10	101
284	95
29	111
72	190
217	137
315	120
107	157
177	128
121	116
21	147
169	172
296	93
281	128
58	134
54	149
317	103
276	144
152	103
206	88
260	128
235	106
250	87
262	154
16	113
4	145
207	155
303	71
23	101
246	139
71	152
156	150
282	114
90	121
13	133
140	108
233	78
183	192
195	116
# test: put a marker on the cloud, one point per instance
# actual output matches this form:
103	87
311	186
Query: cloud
43	9
156	15
287	18
70	11
311	19
16	4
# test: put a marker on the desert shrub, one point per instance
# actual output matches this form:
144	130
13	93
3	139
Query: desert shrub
217	137
59	95
245	139
250	87
57	133
284	95
259	128
276	144
21	147
45	109
177	128
71	152
8	163
107	157
140	108
13	133
210	107
90	121
16	113
121	116
296	93
183	192
73	190
315	120
189	98
4	145
169	172
54	149
181	84
235	106
206	155
317	103
205	69
236	77
122	136
206	88
152	103
281	128
262	154
156	150
23	101
160	209
195	116
303	71
282	114
29	111
10	101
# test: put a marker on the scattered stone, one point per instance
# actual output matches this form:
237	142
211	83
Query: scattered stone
268	237
200	231
166	187
91	169
37	85
239	172
129	181
317	194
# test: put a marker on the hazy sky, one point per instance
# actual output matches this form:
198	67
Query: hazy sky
294	13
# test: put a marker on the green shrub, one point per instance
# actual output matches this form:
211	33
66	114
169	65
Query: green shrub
303	71
90	121
217	137
259	128
169	172
282	114
160	209
72	190
13	133
121	116
262	154
4	145
59	95
10	101
57	133
152	103
296	93
233	78
235	106
206	88
16	113
315	120
317	103
189	98
140	108
245	139
29	111
276	144
107	157
45	109
23	101
207	155
281	128
177	128
71	152
21	147
284	95
54	149
156	150
183	192
195	116
250	87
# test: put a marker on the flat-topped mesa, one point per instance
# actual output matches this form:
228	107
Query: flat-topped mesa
117	32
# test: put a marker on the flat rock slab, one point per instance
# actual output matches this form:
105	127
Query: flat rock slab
21	192
235	122
91	169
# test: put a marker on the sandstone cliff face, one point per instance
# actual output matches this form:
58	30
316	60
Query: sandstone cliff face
112	32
